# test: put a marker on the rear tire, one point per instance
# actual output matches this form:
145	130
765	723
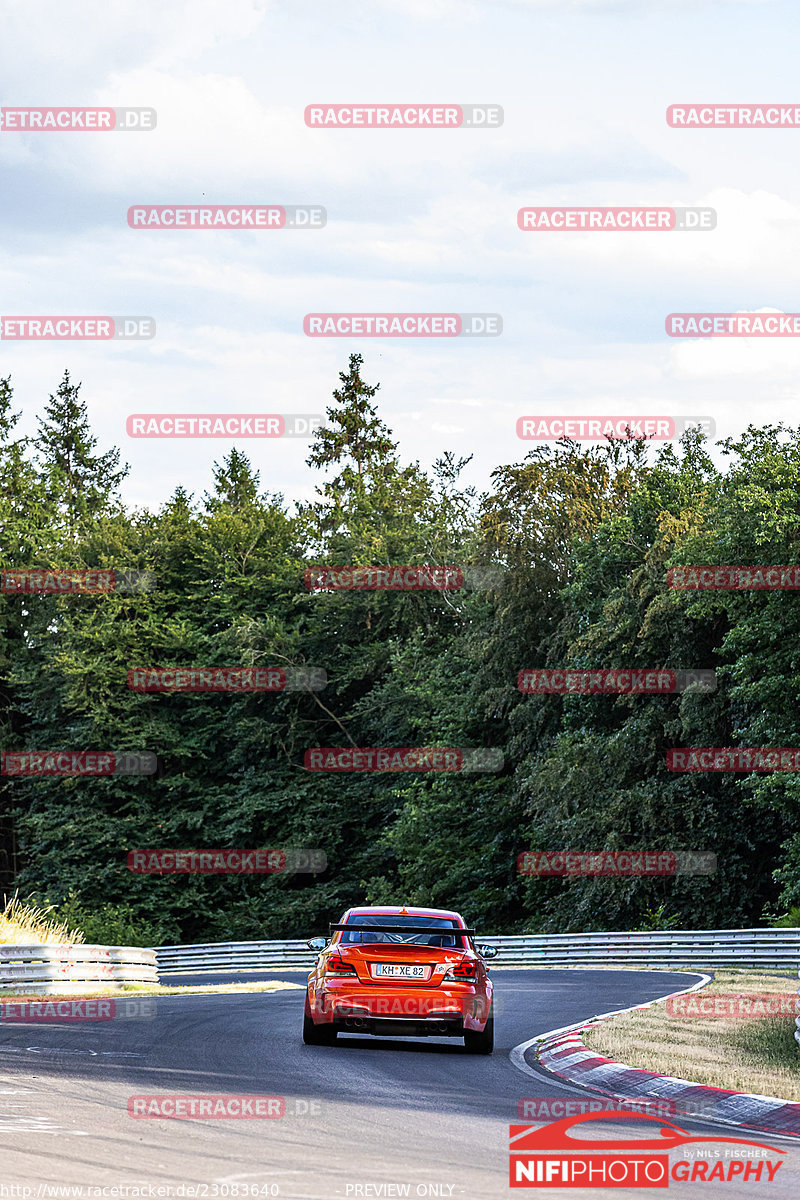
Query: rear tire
317	1035
481	1043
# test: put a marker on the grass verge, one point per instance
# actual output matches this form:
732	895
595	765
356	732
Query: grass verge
740	1054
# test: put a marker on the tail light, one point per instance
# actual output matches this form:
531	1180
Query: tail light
467	972
336	965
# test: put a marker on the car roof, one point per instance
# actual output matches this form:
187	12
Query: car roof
406	911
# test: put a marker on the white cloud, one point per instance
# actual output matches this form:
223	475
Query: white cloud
417	220
772	359
63	40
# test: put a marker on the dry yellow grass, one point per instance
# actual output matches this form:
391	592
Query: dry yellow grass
23	923
741	1054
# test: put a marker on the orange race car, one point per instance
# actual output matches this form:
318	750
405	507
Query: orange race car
408	972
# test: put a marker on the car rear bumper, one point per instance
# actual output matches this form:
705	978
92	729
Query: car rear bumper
447	1025
438	1010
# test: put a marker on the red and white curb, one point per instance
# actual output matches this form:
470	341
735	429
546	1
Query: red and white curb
562	1053
568	1058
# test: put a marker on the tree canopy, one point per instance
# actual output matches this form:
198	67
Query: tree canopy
574	544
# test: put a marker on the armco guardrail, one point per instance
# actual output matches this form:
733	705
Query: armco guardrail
235	956
673	948
57	970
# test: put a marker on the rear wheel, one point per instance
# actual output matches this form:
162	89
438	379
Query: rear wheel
317	1035
481	1043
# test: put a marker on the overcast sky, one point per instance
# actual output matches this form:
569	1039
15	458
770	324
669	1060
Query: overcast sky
418	221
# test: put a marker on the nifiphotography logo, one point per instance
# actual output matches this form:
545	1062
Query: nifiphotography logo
658	1154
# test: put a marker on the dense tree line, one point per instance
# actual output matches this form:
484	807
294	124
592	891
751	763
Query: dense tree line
579	541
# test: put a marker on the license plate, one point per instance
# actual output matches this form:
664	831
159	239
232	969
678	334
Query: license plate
398	971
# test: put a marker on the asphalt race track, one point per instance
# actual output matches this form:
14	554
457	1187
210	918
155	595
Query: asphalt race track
421	1115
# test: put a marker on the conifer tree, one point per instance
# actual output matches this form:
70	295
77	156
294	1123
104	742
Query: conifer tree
81	484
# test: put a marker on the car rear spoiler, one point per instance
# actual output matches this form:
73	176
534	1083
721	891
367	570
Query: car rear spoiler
356	925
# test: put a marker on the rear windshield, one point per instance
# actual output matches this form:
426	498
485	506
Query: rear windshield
445	940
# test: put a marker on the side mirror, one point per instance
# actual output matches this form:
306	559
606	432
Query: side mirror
487	951
317	943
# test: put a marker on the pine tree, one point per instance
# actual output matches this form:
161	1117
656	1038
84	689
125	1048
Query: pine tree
17	483
374	509
358	433
235	483
22	509
81	485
